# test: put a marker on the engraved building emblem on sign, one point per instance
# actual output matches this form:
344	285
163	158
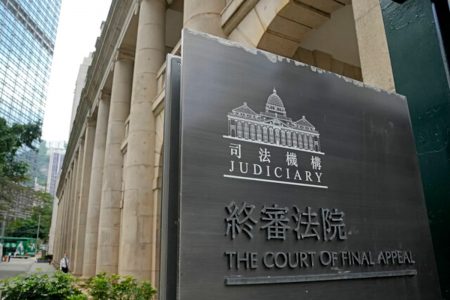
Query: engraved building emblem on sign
273	127
288	153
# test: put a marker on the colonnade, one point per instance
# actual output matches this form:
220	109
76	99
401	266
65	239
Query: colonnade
107	216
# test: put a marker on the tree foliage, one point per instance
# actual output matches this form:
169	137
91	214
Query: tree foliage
12	138
40	287
117	287
66	286
41	215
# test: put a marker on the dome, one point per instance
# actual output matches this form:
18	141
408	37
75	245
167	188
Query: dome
274	99
274	105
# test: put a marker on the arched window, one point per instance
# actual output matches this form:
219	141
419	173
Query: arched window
265	136
283	137
258	133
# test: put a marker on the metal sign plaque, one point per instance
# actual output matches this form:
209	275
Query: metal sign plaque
295	183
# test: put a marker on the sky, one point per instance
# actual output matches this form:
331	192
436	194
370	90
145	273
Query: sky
79	27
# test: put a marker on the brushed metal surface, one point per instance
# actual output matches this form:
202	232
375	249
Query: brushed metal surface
369	167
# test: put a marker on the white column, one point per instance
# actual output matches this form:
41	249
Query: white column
95	188
72	212
75	205
66	218
84	194
137	214
109	224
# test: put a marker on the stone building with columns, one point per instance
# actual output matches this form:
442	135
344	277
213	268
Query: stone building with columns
108	215
273	127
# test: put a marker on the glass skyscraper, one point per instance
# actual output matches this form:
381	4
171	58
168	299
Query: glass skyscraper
27	39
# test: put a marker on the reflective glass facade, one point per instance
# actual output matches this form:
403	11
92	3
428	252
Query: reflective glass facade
27	38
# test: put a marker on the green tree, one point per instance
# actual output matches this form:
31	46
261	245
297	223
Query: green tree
38	164
41	215
13	172
12	138
41	286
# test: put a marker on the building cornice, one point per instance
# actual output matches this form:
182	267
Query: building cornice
106	45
